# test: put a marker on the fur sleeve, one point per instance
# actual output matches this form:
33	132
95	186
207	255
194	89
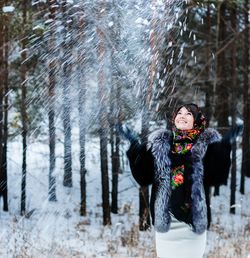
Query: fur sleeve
141	164
217	163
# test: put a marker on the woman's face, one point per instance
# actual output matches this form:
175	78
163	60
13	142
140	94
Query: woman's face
184	119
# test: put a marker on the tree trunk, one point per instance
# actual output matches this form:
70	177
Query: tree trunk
51	114
115	107
207	71
233	172
4	88
245	167
6	108
233	102
82	128
222	107
222	88
144	218
103	118
2	76
66	66
82	119
114	193
144	215
115	159
24	117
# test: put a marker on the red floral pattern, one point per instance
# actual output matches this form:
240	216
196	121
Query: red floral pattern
177	176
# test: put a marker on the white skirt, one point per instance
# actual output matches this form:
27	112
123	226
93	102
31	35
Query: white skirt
180	242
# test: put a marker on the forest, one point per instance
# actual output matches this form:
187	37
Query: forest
71	72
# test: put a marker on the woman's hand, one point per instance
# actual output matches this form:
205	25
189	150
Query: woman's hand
128	134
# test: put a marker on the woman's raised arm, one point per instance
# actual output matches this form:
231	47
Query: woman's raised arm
141	163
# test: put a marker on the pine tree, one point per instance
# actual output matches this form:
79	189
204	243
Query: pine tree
4	49
245	168
233	105
81	75
115	106
222	107
24	115
51	99
7	19
66	74
103	116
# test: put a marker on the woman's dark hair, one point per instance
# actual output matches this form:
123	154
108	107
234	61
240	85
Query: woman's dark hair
199	119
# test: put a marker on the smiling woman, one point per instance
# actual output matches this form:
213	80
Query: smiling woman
184	119
172	161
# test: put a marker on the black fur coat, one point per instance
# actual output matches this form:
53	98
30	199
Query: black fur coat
151	164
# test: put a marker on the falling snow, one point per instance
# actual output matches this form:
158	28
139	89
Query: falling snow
8	9
56	229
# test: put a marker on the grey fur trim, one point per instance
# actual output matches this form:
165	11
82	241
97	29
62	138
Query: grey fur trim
200	147
159	142
209	136
158	134
199	208
160	148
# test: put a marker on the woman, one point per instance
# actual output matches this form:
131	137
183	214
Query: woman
173	162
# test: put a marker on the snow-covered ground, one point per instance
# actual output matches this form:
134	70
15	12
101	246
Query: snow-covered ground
57	230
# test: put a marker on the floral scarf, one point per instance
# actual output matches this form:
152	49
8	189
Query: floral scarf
183	141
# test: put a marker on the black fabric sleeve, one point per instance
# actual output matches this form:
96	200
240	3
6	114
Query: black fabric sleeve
217	163
141	163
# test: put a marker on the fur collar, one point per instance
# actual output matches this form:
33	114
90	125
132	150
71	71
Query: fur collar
209	136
